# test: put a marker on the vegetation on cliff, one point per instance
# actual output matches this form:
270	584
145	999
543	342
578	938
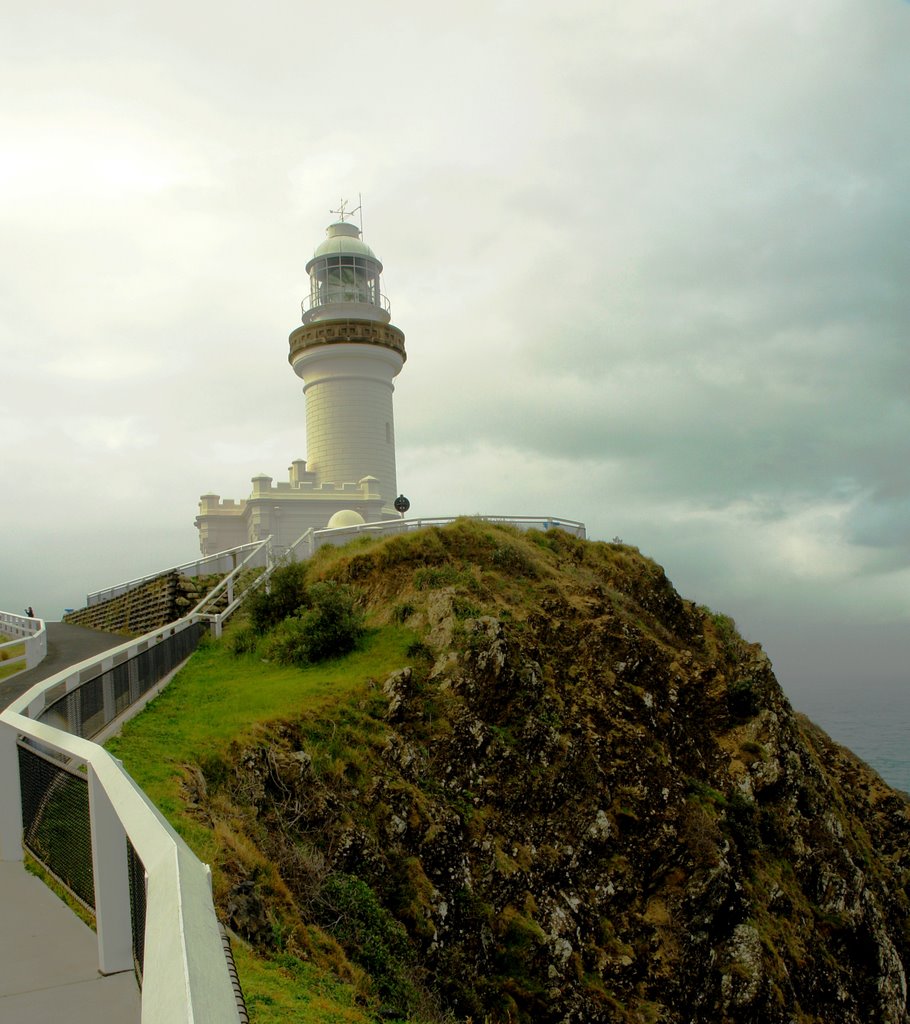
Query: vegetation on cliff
541	787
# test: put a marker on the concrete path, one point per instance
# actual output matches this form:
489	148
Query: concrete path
48	957
49	961
66	645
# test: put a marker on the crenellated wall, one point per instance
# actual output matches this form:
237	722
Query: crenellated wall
284	510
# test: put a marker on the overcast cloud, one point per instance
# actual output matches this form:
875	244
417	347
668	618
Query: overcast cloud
651	260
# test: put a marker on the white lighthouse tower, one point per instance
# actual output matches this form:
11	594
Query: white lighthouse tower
348	354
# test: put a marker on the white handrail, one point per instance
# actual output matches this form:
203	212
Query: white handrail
185	974
198	567
28	630
227	584
340	534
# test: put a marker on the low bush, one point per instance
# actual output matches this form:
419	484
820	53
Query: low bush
418	649
243	640
742	823
742	700
326	625
286	593
371	937
402	612
431	578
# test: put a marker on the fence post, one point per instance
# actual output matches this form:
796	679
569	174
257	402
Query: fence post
10	796
112	882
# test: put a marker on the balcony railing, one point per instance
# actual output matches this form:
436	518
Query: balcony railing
340	295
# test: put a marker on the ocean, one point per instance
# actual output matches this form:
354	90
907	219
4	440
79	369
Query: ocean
873	722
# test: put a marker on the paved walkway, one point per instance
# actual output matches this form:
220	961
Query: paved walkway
66	645
49	961
48	957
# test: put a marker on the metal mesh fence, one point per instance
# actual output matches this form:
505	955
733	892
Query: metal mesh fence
138	894
55	801
55	821
91	706
96	702
120	685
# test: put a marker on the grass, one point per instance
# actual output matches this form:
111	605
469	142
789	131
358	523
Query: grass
281	988
10	670
7	653
219	699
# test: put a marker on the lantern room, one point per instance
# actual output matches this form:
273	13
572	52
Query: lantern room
344	279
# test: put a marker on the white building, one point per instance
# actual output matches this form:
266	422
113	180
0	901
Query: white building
348	354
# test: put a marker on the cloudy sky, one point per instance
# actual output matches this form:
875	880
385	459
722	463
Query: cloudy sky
651	260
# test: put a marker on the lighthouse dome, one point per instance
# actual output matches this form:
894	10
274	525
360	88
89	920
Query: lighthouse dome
343	239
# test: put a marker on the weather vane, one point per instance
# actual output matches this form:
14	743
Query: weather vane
342	210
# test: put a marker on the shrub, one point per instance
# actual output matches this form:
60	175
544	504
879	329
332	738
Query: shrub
418	649
402	612
334	621
742	700
243	640
288	643
286	594
371	937
511	558
328	625
742	822
728	638
464	609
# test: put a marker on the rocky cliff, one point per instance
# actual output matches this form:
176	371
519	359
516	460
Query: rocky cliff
581	799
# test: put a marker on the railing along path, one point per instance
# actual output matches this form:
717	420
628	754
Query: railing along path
28	631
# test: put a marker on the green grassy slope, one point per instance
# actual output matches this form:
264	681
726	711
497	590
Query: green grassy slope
218	701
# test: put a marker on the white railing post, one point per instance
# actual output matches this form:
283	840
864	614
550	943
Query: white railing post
10	796
36	647
112	882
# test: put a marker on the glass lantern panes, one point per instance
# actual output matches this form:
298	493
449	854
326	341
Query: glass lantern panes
343	279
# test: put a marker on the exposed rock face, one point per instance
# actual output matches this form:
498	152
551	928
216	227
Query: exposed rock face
593	802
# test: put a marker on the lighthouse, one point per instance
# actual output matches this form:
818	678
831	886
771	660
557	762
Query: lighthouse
348	354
